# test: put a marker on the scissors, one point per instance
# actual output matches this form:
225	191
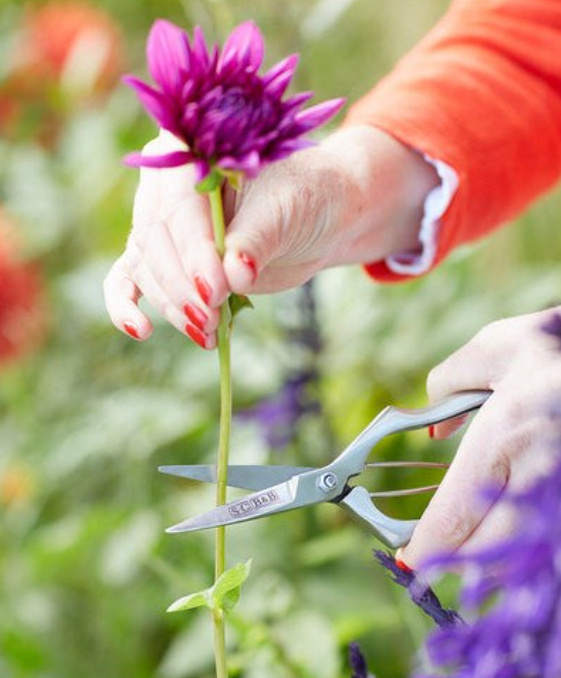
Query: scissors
276	489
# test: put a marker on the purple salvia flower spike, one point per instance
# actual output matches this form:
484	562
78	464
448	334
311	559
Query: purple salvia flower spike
516	629
167	55
357	662
419	592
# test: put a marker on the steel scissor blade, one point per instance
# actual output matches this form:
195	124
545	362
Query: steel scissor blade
244	477
263	503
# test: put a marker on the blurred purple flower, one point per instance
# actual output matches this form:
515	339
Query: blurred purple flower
278	415
420	593
516	632
358	662
229	117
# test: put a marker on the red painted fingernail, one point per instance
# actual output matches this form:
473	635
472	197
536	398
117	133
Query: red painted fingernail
402	566
250	263
431	431
131	330
203	288
196	335
196	315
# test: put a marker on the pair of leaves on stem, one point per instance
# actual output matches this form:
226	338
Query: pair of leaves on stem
223	595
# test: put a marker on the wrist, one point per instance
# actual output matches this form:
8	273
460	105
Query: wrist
384	185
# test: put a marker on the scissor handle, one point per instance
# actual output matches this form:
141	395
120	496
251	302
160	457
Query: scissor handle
391	531
396	420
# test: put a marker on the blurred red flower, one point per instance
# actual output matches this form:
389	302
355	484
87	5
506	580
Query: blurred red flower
22	303
70	39
65	53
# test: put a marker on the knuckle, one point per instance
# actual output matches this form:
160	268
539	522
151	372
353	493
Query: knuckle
166	310
491	333
515	411
435	379
450	527
111	278
499	465
154	146
133	255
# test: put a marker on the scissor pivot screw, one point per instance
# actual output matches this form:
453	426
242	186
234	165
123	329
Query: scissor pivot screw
328	482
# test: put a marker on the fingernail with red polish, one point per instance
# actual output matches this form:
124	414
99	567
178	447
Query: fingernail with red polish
196	335
131	330
196	315
431	431
250	263
402	566
203	288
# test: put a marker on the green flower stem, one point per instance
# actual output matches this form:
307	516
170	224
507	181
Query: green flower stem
223	332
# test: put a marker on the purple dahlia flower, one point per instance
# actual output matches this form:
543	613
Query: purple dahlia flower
230	117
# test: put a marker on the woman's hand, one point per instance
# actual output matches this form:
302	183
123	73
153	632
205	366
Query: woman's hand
505	446
356	197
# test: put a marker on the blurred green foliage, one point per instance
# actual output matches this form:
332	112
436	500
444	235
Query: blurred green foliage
86	571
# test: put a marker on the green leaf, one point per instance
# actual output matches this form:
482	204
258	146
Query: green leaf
227	589
210	182
237	303
199	599
222	596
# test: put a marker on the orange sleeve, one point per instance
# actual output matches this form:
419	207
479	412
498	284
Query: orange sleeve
482	92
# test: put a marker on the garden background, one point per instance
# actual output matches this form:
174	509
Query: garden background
87	414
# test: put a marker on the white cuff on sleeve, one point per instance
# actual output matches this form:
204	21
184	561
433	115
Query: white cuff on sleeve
436	204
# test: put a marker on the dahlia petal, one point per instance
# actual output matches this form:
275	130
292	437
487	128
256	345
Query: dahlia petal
315	116
174	159
214	59
248	164
200	50
296	101
154	102
288	147
277	79
202	170
244	48
167	55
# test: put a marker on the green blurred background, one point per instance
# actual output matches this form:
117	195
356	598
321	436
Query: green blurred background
86	570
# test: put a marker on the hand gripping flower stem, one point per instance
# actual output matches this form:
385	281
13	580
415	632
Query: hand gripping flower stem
233	121
224	327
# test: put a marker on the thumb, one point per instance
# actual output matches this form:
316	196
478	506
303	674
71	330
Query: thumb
252	241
